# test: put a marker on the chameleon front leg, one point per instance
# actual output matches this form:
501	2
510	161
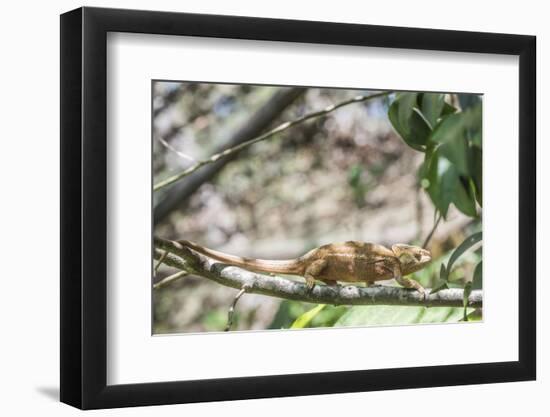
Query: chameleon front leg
312	271
411	283
408	283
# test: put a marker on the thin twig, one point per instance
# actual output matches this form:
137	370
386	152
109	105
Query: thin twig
282	127
171	148
429	237
232	307
258	122
419	212
160	261
170	279
276	286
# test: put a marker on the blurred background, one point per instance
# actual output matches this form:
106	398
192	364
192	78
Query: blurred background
347	175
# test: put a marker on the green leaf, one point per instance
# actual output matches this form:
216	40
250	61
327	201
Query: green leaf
440	285
474	120
443	273
456	133
328	316
406	102
476	139
477	282
456	150
475	315
216	320
463	247
441	180
305	318
450	134
449	184
409	122
448	109
449	127
420	130
475	157
446	270
443	183
398	315
464	197
431	106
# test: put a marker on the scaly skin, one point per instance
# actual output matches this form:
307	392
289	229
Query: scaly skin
347	262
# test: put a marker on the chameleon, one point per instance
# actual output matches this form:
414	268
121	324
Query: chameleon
350	261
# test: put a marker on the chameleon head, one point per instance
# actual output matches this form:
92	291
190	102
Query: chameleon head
411	258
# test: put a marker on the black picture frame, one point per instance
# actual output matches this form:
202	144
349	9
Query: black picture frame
84	207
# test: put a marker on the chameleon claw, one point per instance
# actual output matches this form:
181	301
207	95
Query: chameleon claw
310	284
425	296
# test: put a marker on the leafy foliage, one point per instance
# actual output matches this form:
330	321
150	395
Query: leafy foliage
446	270
305	318
398	315
477	283
343	316
452	169
451	142
474	284
295	314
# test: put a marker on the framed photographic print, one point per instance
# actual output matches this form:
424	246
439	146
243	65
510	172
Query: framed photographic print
258	208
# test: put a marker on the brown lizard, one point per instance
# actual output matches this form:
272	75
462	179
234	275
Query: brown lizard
348	262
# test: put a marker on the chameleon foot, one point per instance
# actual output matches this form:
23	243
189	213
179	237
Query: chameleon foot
424	294
409	283
310	283
313	271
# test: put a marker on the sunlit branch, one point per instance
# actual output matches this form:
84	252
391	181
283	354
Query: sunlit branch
282	127
184	259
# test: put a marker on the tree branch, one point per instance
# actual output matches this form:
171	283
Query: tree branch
160	261
170	279
180	192
232	308
184	259
429	237
171	148
282	127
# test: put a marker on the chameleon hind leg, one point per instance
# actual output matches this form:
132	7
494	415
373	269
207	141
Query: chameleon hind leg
313	271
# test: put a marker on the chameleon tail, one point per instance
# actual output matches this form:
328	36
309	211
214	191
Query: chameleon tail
290	266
